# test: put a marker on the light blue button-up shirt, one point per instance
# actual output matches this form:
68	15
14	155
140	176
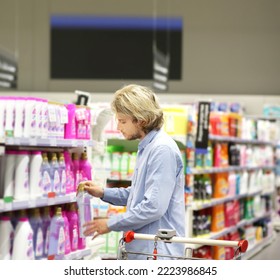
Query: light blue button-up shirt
155	199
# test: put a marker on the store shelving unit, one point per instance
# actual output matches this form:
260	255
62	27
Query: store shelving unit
199	205
46	144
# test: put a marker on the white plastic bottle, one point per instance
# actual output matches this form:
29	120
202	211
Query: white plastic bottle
9	175
2	115
84	208
35	188
19	116
28	117
10	116
6	237
22	176
23	239
45	119
2	174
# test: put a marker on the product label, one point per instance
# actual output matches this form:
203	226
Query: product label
56	182
47	241
61	242
39	243
63	182
30	250
46	182
75	239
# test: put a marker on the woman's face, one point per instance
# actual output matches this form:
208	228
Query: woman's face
130	129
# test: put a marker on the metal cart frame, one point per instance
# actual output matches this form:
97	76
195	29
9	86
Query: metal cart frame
167	235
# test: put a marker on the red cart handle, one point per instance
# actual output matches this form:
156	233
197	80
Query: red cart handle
241	244
128	236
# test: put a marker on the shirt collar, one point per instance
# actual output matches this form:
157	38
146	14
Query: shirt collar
147	139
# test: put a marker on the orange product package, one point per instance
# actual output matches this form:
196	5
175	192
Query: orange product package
218	218
221	185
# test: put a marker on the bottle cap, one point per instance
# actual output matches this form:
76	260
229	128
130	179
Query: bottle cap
58	211
84	156
75	156
81	187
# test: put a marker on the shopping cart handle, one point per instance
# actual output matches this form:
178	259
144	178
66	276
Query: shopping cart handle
128	236
243	245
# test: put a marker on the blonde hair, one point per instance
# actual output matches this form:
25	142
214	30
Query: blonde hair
141	104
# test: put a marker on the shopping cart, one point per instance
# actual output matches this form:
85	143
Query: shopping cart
167	235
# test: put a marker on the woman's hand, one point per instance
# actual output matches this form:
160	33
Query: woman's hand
96	227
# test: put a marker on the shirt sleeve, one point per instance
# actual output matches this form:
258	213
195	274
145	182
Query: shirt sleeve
159	185
116	196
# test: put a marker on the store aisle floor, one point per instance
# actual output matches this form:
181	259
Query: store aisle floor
270	252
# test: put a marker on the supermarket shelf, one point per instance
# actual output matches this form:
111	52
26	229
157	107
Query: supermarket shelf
276	222
216	235
198	205
76	255
211	170
53	142
258	247
37	202
239	140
